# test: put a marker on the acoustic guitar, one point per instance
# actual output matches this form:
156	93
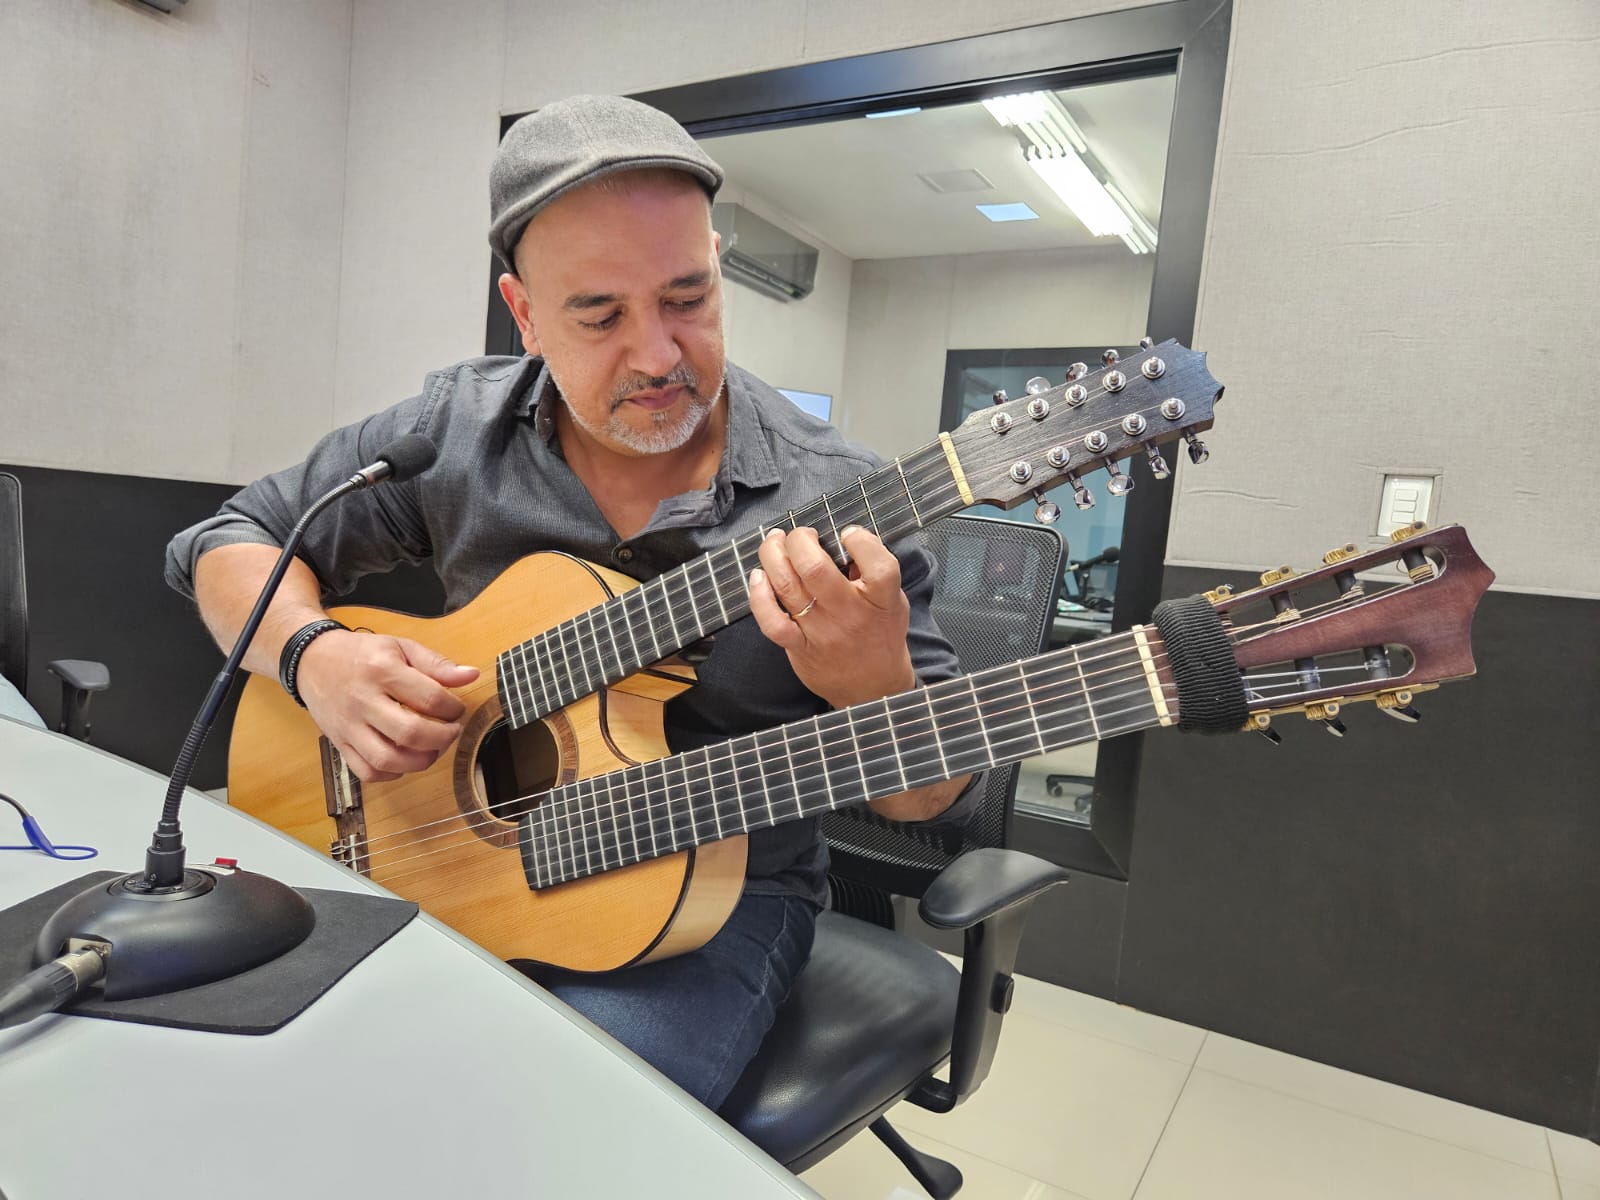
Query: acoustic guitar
576	662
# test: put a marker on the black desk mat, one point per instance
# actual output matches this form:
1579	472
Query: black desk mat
350	926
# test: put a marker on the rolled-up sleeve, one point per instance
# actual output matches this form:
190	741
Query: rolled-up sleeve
367	532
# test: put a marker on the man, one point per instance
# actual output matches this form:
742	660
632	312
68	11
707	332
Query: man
624	438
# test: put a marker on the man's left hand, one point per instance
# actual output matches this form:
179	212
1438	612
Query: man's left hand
845	635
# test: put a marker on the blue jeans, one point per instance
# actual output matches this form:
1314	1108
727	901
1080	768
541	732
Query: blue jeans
699	1018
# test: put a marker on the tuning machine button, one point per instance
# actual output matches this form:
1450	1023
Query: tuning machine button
1262	723
1147	343
1397	704
1038	408
1119	484
1110	358
1000	396
1327	714
1158	465
1197	449
1076	372
1048	512
1081	496
1036	385
1095	441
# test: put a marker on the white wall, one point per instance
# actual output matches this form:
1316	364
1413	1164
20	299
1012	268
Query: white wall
1401	266
171	192
791	344
905	313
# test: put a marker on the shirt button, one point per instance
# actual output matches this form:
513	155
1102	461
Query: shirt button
624	554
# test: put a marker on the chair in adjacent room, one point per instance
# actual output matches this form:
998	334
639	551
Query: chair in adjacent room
875	1014
80	680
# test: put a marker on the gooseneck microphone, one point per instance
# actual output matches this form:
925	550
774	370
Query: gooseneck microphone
169	927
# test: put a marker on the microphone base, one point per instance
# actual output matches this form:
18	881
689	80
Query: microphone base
216	924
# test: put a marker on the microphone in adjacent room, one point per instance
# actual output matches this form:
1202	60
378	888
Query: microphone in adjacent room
170	927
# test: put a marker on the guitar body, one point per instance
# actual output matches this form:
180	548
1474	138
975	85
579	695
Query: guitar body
446	837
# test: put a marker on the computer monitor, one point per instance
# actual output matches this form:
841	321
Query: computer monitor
818	404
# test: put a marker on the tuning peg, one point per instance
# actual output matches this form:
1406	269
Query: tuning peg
1158	465
1036	385
1147	343
1262	723
1397	704
1048	512
1110	358
1197	449
1000	396
1119	484
1081	496
1076	372
1326	714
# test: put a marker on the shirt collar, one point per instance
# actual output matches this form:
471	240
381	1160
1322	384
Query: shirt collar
747	458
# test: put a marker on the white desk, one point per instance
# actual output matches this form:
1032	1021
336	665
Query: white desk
432	1069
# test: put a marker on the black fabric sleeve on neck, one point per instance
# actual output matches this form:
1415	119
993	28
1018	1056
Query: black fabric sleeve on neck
1210	686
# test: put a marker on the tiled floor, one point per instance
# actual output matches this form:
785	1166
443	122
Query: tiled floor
1089	1101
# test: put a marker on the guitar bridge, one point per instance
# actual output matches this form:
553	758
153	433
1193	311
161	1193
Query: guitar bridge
342	793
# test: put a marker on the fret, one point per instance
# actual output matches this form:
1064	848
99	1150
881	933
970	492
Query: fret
643	592
933	725
855	750
541	815
580	826
600	644
583	654
867	500
694	607
611	639
521	685
744	575
603	825
716	801
794	775
909	496
666	603
711	577
875	744
911	723
811	761
687	798
628	623
749	780
1032	706
843	555
894	743
1088	704
983	728
506	683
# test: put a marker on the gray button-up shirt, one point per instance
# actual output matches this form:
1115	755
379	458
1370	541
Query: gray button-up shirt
501	490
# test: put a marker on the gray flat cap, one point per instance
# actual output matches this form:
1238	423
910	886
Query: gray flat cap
575	141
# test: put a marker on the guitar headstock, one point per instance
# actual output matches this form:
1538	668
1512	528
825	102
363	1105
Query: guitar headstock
1312	643
1093	420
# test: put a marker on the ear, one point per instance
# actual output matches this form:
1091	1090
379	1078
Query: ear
516	298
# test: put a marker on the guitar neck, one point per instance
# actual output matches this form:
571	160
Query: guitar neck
849	756
659	618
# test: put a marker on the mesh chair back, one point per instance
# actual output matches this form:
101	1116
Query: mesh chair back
13	586
993	597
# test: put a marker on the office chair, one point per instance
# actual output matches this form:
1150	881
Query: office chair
875	1014
79	679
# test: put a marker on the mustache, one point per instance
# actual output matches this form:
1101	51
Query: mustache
682	375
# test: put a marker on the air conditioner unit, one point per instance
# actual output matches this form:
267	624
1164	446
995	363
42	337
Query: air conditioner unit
760	255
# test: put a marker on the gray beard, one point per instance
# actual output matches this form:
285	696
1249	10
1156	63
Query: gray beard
667	431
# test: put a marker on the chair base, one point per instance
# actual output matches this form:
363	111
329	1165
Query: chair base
938	1178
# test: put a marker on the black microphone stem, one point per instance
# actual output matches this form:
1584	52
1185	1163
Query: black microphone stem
164	860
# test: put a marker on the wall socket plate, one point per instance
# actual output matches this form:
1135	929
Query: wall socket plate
1405	499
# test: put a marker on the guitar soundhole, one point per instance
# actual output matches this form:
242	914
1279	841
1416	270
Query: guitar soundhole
516	766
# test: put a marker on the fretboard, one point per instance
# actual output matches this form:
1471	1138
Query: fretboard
659	618
848	756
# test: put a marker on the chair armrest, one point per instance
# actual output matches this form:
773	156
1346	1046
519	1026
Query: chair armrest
987	893
982	883
79	681
80	675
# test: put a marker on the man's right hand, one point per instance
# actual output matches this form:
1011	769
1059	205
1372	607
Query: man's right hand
382	701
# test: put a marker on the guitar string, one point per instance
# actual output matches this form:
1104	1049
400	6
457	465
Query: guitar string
1241	634
847	743
933	467
1103	653
591	798
805	788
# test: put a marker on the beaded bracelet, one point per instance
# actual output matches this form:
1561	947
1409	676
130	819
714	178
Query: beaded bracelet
295	648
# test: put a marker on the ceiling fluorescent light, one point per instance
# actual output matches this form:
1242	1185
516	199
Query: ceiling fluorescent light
1081	192
1055	148
892	112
